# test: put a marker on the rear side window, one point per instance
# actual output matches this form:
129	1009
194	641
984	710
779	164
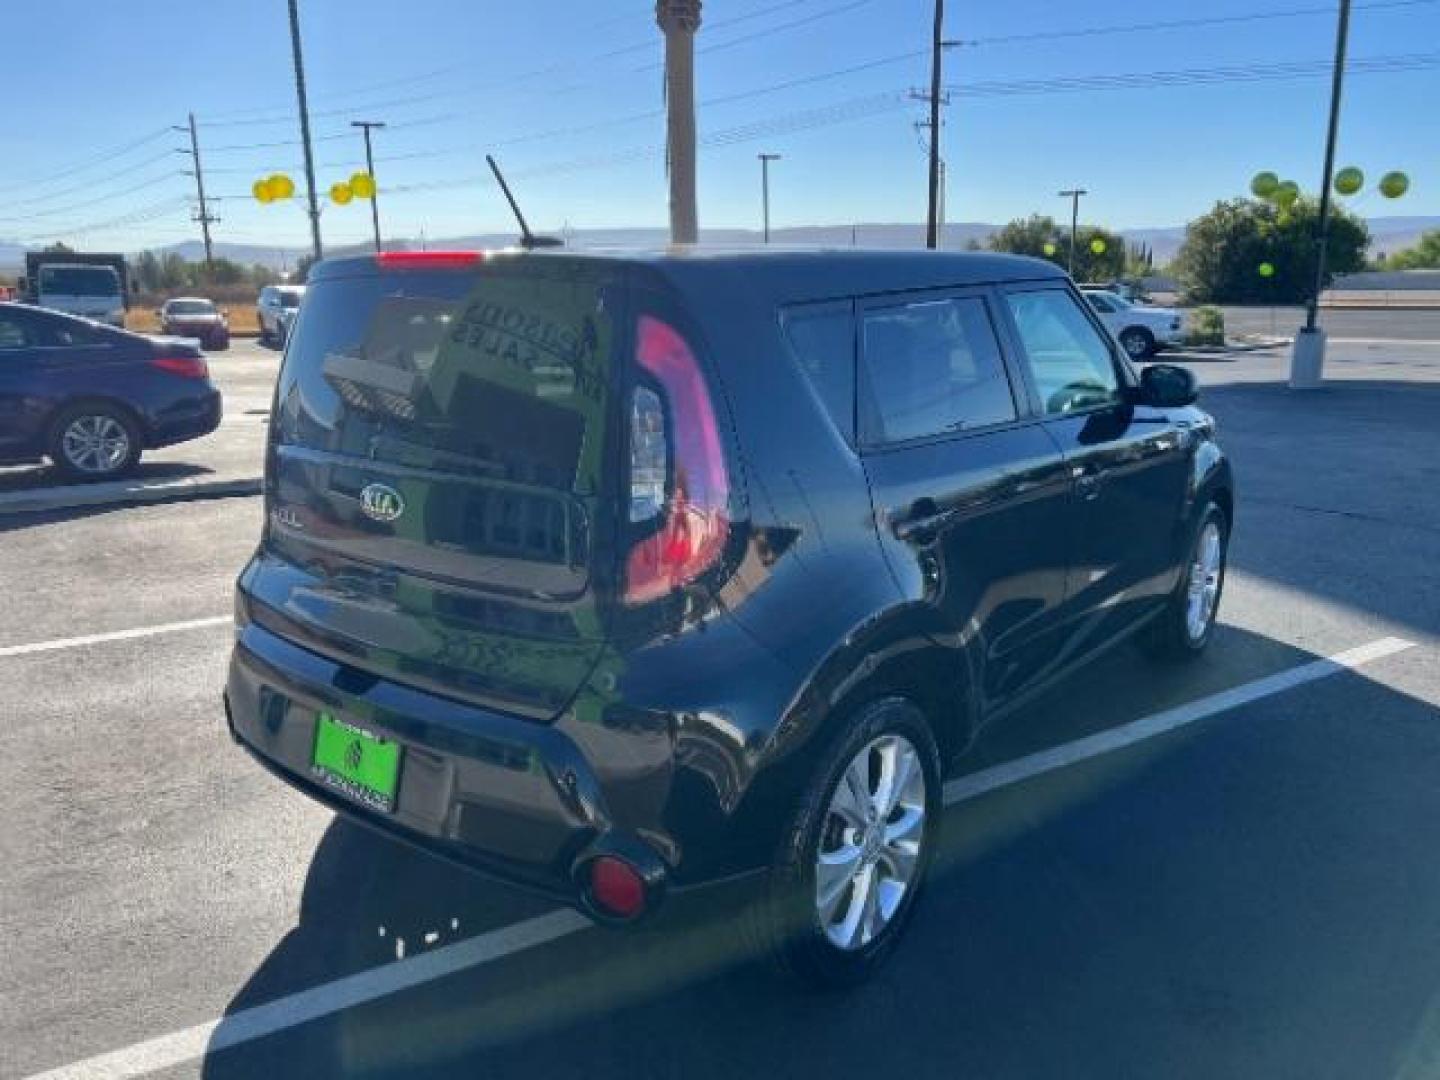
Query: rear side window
822	337
503	376
931	368
1071	364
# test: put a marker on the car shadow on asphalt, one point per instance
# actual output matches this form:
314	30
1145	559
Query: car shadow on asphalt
1157	910
35	477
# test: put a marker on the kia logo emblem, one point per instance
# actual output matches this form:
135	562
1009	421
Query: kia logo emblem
381	502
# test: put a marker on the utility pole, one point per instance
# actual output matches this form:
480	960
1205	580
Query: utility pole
203	215
937	46
365	126
305	131
765	160
1073	194
680	19
1307	361
927	133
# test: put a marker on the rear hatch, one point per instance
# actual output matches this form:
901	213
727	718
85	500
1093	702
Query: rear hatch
443	474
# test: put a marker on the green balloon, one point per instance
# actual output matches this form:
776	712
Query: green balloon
1050	248
1267	270
1097	246
1349	180
1394	184
1264	184
1287	193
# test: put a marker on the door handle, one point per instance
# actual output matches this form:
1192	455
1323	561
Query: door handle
922	522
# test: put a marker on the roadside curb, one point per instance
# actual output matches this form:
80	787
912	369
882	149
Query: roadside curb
125	493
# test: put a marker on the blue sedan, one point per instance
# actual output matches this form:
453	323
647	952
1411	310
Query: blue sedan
92	398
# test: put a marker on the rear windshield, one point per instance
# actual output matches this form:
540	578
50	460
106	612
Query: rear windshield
80	281
190	307
494	373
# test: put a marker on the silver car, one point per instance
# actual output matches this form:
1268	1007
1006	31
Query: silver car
276	311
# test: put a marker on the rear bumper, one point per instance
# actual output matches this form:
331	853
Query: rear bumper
188	419
510	798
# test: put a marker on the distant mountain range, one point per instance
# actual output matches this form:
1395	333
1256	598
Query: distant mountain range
1388	233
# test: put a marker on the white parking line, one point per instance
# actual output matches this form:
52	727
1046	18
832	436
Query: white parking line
366	986
113	635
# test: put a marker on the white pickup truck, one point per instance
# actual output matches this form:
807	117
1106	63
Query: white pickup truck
1142	331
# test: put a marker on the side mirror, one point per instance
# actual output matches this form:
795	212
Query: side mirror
1167	386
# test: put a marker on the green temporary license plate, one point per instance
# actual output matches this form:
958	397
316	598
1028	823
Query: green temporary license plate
361	765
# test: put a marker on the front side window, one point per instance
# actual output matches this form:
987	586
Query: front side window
931	368
1100	303
1069	361
12	332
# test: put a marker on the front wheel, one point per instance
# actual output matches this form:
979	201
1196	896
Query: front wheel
856	850
1185	627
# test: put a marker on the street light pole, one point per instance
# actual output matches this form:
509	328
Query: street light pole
365	126
765	160
1073	194
1307	361
680	19
305	130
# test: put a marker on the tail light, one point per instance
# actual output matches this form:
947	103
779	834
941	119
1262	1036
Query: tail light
616	887
187	367
677	468
426	260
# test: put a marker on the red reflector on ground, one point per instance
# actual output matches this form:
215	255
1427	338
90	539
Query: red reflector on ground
188	367
421	260
617	887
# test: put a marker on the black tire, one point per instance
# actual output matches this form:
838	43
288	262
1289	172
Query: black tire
1138	342
73	467
784	921
1171	636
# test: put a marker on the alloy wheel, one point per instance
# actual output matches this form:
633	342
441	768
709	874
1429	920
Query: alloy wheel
95	444
1204	586
870	842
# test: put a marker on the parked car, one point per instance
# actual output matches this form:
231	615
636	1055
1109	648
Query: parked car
615	576
275	310
196	317
1133	291
92	398
1143	331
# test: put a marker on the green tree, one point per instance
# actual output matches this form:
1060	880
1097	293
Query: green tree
1220	261
261	275
1423	256
1030	236
147	272
221	271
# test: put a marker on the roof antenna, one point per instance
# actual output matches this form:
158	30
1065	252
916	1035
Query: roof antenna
528	240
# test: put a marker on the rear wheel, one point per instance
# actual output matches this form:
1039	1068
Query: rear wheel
1185	627
856	850
1138	342
94	441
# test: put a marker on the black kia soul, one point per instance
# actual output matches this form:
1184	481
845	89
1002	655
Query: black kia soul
613	575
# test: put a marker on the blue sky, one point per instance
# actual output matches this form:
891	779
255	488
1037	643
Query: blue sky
455	77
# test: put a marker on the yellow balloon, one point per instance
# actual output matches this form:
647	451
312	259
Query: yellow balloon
362	185
281	186
1050	248
1267	269
1097	246
1394	184
1264	184
341	193
1349	180
261	191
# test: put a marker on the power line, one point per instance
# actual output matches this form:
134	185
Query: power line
89	163
135	217
60	211
164	155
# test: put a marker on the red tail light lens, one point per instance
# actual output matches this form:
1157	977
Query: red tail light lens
426	260
617	887
187	367
694	522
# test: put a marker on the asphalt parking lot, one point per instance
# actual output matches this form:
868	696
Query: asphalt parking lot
1241	884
